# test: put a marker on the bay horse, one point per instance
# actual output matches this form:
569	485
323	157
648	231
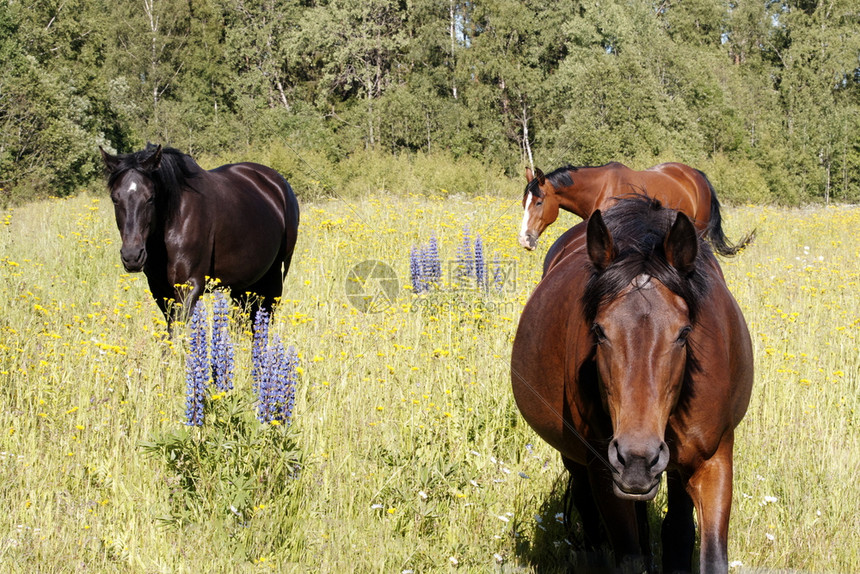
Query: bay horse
181	224
583	190
632	358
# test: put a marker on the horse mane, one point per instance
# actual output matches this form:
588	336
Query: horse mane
638	225
558	178
174	174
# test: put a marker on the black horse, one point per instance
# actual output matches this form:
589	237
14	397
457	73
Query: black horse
181	225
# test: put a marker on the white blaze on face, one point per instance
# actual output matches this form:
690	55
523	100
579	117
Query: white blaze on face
131	188
643	281
524	228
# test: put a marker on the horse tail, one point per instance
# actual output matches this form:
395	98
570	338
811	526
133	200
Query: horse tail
714	231
291	220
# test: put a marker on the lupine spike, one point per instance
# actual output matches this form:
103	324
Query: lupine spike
480	264
465	256
416	270
278	366
196	367
261	339
264	386
433	248
222	345
431	266
277	386
425	268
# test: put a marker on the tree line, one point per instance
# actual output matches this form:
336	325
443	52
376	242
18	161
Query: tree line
764	95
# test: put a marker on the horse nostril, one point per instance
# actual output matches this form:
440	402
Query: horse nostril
618	453
656	459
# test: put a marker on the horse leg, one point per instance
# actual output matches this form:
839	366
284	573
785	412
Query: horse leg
268	291
579	492
678	533
644	534
184	292
710	488
163	295
619	517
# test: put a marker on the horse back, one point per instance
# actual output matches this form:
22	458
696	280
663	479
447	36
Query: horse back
571	241
253	179
675	185
686	186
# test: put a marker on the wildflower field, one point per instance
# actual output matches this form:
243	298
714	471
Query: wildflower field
403	450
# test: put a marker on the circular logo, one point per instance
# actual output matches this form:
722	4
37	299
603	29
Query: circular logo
371	286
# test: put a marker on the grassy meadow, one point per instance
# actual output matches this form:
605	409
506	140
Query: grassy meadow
406	452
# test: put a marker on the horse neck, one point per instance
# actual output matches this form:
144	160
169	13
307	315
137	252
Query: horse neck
174	197
584	196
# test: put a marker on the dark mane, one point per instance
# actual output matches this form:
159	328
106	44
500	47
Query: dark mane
170	178
638	226
558	178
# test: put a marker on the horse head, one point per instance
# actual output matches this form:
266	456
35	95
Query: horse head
133	193
640	328
540	208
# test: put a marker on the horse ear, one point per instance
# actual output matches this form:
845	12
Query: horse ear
153	161
682	245
111	161
529	175
540	176
601	248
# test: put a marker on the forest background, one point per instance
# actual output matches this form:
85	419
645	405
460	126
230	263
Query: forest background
762	95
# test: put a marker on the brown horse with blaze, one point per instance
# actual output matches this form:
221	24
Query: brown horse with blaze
632	359
584	190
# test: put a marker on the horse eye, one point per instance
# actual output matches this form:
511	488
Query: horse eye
682	336
599	333
538	204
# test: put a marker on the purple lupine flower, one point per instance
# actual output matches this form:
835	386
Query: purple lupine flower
416	270
465	256
196	367
265	383
431	266
276	398
277	387
222	345
261	339
480	264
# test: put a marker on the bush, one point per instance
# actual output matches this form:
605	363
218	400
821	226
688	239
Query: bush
738	181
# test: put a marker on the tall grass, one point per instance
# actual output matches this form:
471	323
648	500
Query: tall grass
406	451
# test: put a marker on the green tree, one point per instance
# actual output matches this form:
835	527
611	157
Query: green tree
54	105
819	92
356	46
510	49
623	90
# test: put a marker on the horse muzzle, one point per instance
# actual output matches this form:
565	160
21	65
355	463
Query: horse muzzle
528	240
133	259
638	468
